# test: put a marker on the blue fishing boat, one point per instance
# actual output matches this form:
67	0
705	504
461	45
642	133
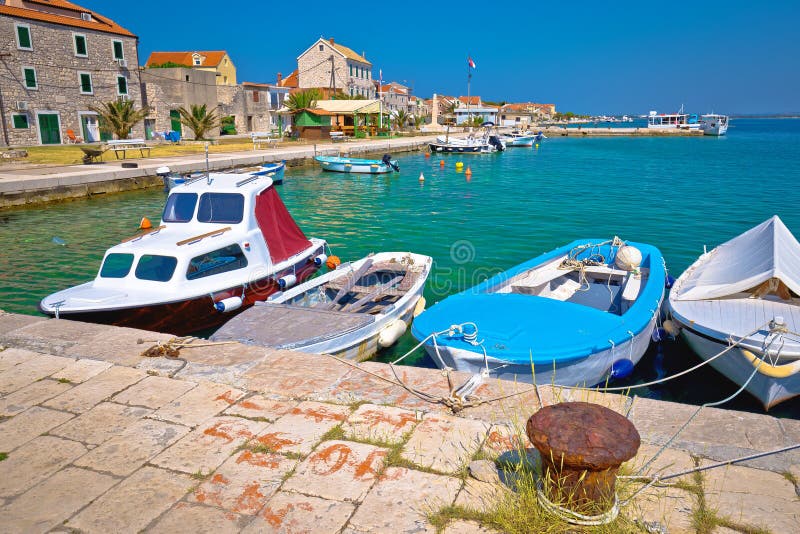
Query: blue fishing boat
272	170
358	165
575	316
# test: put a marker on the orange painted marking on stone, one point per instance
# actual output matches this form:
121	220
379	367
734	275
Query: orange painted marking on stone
221	430
499	442
396	474
319	414
275	443
219	479
375	417
330	459
227	397
276	518
208	497
250	500
258	459
250	405
365	469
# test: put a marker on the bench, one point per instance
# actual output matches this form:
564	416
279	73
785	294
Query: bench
124	145
260	138
338	136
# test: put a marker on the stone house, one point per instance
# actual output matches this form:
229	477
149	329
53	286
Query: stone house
255	106
329	65
167	89
394	95
524	113
58	59
216	61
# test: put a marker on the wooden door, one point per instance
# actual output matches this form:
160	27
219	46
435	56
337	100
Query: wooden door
49	129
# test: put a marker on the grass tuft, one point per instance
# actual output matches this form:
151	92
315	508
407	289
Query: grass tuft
3	456
64	381
334	434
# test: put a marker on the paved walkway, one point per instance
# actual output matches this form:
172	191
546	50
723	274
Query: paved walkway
22	184
233	438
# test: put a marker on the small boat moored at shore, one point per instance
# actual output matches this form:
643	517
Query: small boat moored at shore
485	143
746	292
667	121
273	171
358	165
713	124
575	316
224	242
350	312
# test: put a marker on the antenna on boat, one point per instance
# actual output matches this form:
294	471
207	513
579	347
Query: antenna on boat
208	173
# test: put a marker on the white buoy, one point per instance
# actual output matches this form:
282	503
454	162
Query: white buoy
421	177
320	260
628	258
287	281
229	304
391	333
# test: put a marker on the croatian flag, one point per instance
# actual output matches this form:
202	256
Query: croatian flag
470	63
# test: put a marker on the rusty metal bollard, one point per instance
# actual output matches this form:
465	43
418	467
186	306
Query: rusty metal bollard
582	446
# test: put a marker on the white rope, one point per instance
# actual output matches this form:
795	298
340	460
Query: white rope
575	518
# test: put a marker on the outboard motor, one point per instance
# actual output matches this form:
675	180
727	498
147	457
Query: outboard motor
497	143
387	160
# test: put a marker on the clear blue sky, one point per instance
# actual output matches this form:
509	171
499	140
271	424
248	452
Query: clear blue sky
588	57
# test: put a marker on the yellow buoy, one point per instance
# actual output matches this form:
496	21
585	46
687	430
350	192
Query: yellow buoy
537	145
459	164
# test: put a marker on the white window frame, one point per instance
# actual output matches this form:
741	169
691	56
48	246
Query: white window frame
80	82
16	35
197	61
122	47
75	36
35	78
27	119
127	88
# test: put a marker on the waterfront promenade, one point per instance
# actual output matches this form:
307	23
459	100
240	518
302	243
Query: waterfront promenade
96	437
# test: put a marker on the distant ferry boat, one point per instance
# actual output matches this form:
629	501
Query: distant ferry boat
713	124
665	121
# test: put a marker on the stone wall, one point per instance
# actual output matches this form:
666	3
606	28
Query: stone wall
314	70
170	89
57	75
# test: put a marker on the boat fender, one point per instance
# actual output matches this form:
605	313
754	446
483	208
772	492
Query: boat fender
621	369
669	281
420	307
287	281
628	258
390	333
772	371
229	304
333	262
320	260
672	328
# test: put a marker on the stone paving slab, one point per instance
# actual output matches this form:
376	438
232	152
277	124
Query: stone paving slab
292	513
400	501
30	371
199	404
53	501
125	453
85	396
467	527
114	344
100	423
31	395
12	321
131	505
154	392
385	424
338	470
198	519
12	357
260	407
81	370
40	458
245	482
289	374
28	425
426	447
299	430
52	336
479	496
204	449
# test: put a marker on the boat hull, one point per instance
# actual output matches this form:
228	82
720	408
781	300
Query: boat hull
737	368
457	149
193	314
587	372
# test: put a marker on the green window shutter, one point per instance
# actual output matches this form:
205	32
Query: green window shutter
118	51
30	78
24	36
20	121
122	85
86	83
80	45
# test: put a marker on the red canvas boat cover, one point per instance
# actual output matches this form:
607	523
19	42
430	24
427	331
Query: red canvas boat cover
284	238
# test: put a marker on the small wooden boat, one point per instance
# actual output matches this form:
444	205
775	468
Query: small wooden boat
224	242
746	291
351	312
485	143
270	170
518	139
358	165
575	316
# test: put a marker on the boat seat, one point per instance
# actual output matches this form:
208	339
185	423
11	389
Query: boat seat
632	287
536	278
363	290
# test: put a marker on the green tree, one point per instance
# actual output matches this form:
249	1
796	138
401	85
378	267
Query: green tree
302	100
419	120
167	65
118	117
401	119
199	120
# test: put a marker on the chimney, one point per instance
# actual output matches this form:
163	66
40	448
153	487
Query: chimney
331	41
280	78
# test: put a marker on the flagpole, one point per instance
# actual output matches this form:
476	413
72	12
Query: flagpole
469	79
380	98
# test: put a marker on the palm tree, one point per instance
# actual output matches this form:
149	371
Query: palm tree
302	100
401	119
419	120
199	120
118	117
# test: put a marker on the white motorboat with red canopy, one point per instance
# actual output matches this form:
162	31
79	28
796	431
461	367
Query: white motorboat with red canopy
225	241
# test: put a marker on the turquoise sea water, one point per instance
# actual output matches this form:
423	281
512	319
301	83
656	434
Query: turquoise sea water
676	193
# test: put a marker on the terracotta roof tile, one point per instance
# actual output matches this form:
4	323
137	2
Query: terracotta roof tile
98	23
471	100
290	81
210	58
349	54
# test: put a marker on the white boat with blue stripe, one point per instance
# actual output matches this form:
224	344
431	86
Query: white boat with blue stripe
358	165
576	316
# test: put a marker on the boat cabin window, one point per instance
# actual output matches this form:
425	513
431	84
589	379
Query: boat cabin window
219	261
180	207
116	266
155	268
221	208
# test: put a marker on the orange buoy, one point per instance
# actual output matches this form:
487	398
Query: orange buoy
441	163
421	177
427	154
145	224
468	172
333	262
